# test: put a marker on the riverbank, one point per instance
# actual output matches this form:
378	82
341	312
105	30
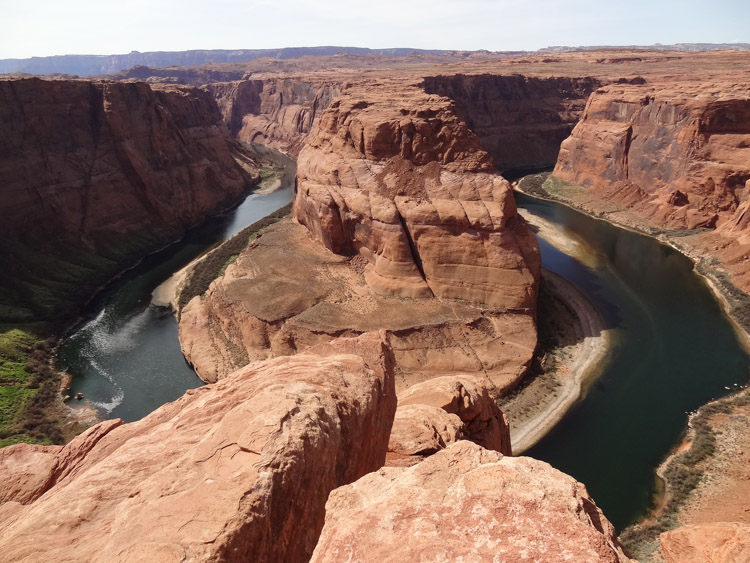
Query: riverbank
734	302
706	476
573	346
167	293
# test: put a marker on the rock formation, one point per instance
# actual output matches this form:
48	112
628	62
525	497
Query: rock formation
94	174
520	120
276	112
466	503
401	181
440	411
408	209
675	153
717	542
471	401
236	471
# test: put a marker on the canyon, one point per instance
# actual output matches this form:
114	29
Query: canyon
96	174
356	348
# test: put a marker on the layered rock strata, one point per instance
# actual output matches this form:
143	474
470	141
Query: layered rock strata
678	154
520	120
236	471
466	503
94	174
414	234
436	413
277	112
403	183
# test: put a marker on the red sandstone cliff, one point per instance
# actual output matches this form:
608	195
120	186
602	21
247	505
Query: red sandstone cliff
675	154
278	112
94	174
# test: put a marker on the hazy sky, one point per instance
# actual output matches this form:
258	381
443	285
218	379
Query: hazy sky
54	27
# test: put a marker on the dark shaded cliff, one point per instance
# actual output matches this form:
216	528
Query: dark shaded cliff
93	175
277	112
520	120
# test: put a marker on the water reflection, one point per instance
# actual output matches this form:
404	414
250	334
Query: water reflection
674	351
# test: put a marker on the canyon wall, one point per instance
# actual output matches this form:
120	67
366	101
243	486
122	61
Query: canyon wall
94	174
678	154
520	120
277	112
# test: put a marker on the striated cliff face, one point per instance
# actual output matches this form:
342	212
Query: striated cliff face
466	503
278	112
520	120
401	181
236	471
676	154
419	237
94	174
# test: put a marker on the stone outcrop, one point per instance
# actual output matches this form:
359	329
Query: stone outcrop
716	542
675	154
471	401
277	112
436	413
401	181
520	120
236	471
407	209
467	503
94	174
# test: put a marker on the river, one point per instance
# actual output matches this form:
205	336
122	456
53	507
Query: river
126	358
674	351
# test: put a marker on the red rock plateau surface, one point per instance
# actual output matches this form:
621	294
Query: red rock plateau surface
466	503
94	174
237	471
717	542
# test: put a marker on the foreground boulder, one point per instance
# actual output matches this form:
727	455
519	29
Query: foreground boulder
715	542
466	503
237	471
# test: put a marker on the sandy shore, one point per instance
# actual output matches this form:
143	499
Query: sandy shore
539	406
577	364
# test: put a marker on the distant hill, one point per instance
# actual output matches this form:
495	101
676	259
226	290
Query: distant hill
97	65
92	65
656	46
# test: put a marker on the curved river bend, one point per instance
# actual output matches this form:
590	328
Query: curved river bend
126	359
674	349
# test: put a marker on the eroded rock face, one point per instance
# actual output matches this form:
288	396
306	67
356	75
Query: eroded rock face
286	292
520	120
472	401
94	174
676	155
276	112
467	503
401	181
716	542
236	471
